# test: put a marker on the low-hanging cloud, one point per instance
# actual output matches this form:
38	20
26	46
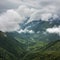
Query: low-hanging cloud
9	21
44	14
54	30
26	31
34	9
25	11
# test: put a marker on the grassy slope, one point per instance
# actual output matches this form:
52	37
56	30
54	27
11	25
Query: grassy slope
11	49
49	52
11	46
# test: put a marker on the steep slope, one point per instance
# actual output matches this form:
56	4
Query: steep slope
49	52
39	27
53	46
5	55
40	35
11	46
30	42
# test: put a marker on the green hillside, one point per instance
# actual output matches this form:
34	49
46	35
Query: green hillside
49	52
11	47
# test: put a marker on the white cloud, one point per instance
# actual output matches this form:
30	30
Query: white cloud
9	21
14	1
35	9
37	3
44	14
54	30
26	31
25	11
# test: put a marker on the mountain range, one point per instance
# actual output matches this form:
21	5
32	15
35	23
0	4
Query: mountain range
25	45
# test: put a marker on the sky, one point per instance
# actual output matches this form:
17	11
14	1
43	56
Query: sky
14	12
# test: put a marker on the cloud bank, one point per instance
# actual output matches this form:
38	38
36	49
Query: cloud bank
34	9
54	30
9	21
26	31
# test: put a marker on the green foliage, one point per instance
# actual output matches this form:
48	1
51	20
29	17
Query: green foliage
5	55
49	52
11	49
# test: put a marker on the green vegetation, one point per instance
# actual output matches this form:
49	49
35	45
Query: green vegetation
49	52
48	55
11	46
11	49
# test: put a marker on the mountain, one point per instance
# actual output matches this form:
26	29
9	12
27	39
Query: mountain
39	45
39	28
50	52
54	46
30	42
10	48
39	25
40	37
